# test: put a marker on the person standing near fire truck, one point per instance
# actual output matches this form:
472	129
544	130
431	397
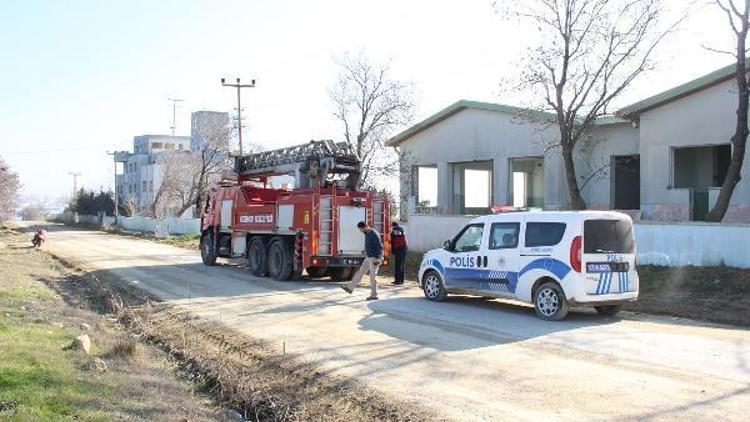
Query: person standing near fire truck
371	263
398	245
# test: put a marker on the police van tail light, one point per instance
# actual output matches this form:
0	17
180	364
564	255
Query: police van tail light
575	254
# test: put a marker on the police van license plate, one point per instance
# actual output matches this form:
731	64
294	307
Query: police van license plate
607	267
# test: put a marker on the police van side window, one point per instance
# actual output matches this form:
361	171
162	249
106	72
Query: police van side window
469	239
504	235
544	234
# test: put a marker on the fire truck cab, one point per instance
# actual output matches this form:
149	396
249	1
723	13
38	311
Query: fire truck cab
283	231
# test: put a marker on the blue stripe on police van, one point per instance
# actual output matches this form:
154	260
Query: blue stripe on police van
555	266
608	284
599	285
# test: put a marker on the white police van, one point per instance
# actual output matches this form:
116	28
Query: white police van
548	258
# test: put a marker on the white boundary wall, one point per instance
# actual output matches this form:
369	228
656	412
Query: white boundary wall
665	244
168	225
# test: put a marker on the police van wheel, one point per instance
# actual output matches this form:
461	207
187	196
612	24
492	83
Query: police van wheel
432	286
608	310
550	303
257	257
208	249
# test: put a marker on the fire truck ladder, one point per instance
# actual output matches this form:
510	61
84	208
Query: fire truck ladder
313	164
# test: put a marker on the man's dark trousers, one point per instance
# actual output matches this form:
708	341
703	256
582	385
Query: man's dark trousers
400	260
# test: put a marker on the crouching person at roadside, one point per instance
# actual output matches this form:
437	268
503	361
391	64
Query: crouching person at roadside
373	259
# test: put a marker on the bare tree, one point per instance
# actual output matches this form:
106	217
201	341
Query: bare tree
187	176
32	212
738	21
9	187
588	53
176	192
371	106
128	206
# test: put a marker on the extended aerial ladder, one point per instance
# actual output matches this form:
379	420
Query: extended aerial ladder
314	164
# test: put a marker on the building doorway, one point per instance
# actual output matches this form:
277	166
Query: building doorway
626	182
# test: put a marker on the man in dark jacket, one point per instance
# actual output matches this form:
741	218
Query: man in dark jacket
373	258
398	244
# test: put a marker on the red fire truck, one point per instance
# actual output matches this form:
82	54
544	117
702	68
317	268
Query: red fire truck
281	231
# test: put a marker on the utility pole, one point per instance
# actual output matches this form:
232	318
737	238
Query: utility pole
75	175
174	113
239	86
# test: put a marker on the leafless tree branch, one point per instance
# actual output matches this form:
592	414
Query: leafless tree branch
371	107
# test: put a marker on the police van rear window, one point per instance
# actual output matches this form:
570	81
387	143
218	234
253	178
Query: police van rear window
544	234
608	236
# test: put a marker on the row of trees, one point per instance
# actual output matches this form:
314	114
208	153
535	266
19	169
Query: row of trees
90	202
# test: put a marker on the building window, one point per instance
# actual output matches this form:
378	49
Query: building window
179	146
143	189
156	145
527	182
427	186
150	185
700	168
169	146
472	187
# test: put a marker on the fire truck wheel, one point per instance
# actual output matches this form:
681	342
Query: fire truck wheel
208	249
280	260
317	272
257	257
341	273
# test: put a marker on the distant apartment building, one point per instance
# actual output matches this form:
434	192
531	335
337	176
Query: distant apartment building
142	172
141	175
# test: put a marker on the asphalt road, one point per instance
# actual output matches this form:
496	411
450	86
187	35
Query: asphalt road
468	358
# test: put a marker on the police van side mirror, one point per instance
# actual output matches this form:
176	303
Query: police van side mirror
447	245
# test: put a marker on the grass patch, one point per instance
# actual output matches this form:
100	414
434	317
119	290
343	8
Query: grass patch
42	379
123	349
718	294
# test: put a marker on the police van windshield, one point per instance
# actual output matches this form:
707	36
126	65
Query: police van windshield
608	236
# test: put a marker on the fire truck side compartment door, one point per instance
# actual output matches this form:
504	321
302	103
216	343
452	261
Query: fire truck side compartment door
350	240
285	217
226	214
239	244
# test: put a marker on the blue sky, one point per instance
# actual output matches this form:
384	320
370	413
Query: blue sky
78	78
